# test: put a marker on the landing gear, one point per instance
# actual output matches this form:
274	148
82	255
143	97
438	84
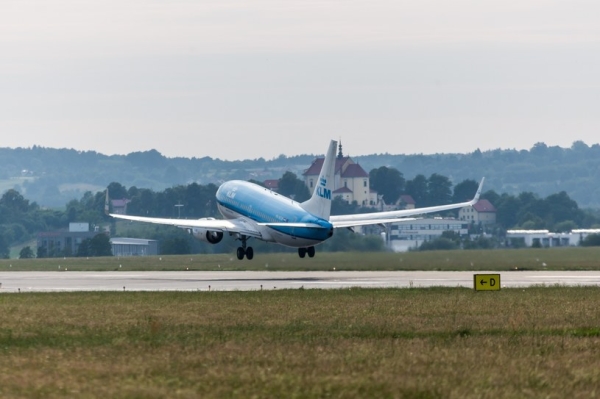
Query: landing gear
242	251
302	252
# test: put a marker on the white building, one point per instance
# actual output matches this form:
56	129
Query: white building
411	234
482	212
133	247
546	239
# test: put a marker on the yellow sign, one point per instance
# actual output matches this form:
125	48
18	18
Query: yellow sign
486	282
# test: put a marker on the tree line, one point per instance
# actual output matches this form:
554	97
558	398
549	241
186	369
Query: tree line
39	172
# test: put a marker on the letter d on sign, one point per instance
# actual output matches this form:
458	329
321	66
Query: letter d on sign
486	282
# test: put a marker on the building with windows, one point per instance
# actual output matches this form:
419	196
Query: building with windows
119	206
63	243
411	234
351	181
482	212
133	247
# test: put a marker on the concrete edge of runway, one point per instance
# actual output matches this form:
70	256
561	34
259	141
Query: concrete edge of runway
249	281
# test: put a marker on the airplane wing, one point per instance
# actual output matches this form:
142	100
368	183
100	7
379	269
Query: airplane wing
239	225
368	222
286	224
397	216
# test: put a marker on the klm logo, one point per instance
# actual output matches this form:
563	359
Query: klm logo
324	193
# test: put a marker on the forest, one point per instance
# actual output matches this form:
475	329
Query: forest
53	177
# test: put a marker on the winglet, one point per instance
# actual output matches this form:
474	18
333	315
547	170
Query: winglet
107	204
478	193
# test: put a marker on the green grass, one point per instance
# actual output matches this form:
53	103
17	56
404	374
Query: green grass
573	258
396	343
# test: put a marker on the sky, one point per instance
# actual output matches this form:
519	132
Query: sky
236	79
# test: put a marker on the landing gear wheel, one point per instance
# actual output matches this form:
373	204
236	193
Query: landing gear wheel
240	253
249	253
302	252
311	252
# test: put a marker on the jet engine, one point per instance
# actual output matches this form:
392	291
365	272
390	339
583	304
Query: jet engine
206	235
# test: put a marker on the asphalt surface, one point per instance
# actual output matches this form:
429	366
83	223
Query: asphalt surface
247	281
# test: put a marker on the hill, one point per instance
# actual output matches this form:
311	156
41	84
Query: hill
51	177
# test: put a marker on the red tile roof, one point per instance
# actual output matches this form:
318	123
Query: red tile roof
317	164
354	170
119	202
484	206
407	199
271	184
342	190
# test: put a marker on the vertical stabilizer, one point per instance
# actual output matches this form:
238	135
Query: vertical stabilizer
320	202
107	204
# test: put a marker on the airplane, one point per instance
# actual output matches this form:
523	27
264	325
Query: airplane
252	211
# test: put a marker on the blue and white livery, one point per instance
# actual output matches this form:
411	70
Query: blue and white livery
252	211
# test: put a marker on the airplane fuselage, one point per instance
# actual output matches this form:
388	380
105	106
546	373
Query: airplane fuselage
259	206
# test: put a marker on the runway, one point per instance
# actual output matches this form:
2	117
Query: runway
248	281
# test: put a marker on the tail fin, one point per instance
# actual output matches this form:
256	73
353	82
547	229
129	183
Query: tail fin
320	202
107	204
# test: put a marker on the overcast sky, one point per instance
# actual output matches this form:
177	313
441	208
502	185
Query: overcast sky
249	79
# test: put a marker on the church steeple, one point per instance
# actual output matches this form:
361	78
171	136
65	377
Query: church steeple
340	153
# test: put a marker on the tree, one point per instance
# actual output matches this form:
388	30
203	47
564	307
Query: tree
142	202
340	206
592	240
291	186
117	191
439	190
26	253
562	208
175	246
4	250
507	211
417	189
491	196
42	252
12	206
388	182
99	245
564	226
532	222
465	190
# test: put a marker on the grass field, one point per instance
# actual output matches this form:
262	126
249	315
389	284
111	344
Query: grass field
573	258
358	343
